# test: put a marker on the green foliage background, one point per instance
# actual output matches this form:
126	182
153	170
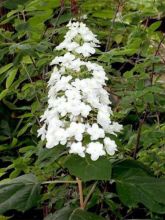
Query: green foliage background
132	52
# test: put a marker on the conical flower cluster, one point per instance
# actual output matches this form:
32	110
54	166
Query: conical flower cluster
79	113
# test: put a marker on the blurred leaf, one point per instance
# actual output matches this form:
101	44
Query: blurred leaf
135	185
11	76
5	68
104	14
154	26
14	3
21	193
24	129
42	5
3	94
70	214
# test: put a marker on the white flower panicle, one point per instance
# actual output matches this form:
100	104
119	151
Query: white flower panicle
78	33
78	113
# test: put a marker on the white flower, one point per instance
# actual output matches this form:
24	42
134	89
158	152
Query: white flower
85	110
78	103
72	94
81	30
72	46
110	146
115	127
55	134
75	65
86	50
42	132
104	97
77	148
63	83
103	117
94	67
84	16
55	76
58	136
95	149
76	130
68	57
95	132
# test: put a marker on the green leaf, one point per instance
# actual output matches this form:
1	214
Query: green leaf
128	74
14	3
80	214
64	18
36	23
86	169
12	73
5	68
104	14
4	217
42	5
153	27
126	168
12	12
3	94
134	185
24	129
70	214
62	214
49	156
21	193
9	105
118	38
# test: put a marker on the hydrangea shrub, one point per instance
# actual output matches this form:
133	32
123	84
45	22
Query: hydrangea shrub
79	113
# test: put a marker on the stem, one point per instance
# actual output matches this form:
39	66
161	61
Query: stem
161	41
156	53
74	7
79	182
60	13
23	15
62	2
30	79
83	202
111	27
141	122
62	9
89	194
33	62
59	181
158	120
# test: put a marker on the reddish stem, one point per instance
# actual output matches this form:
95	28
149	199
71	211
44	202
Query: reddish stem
74	7
62	3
